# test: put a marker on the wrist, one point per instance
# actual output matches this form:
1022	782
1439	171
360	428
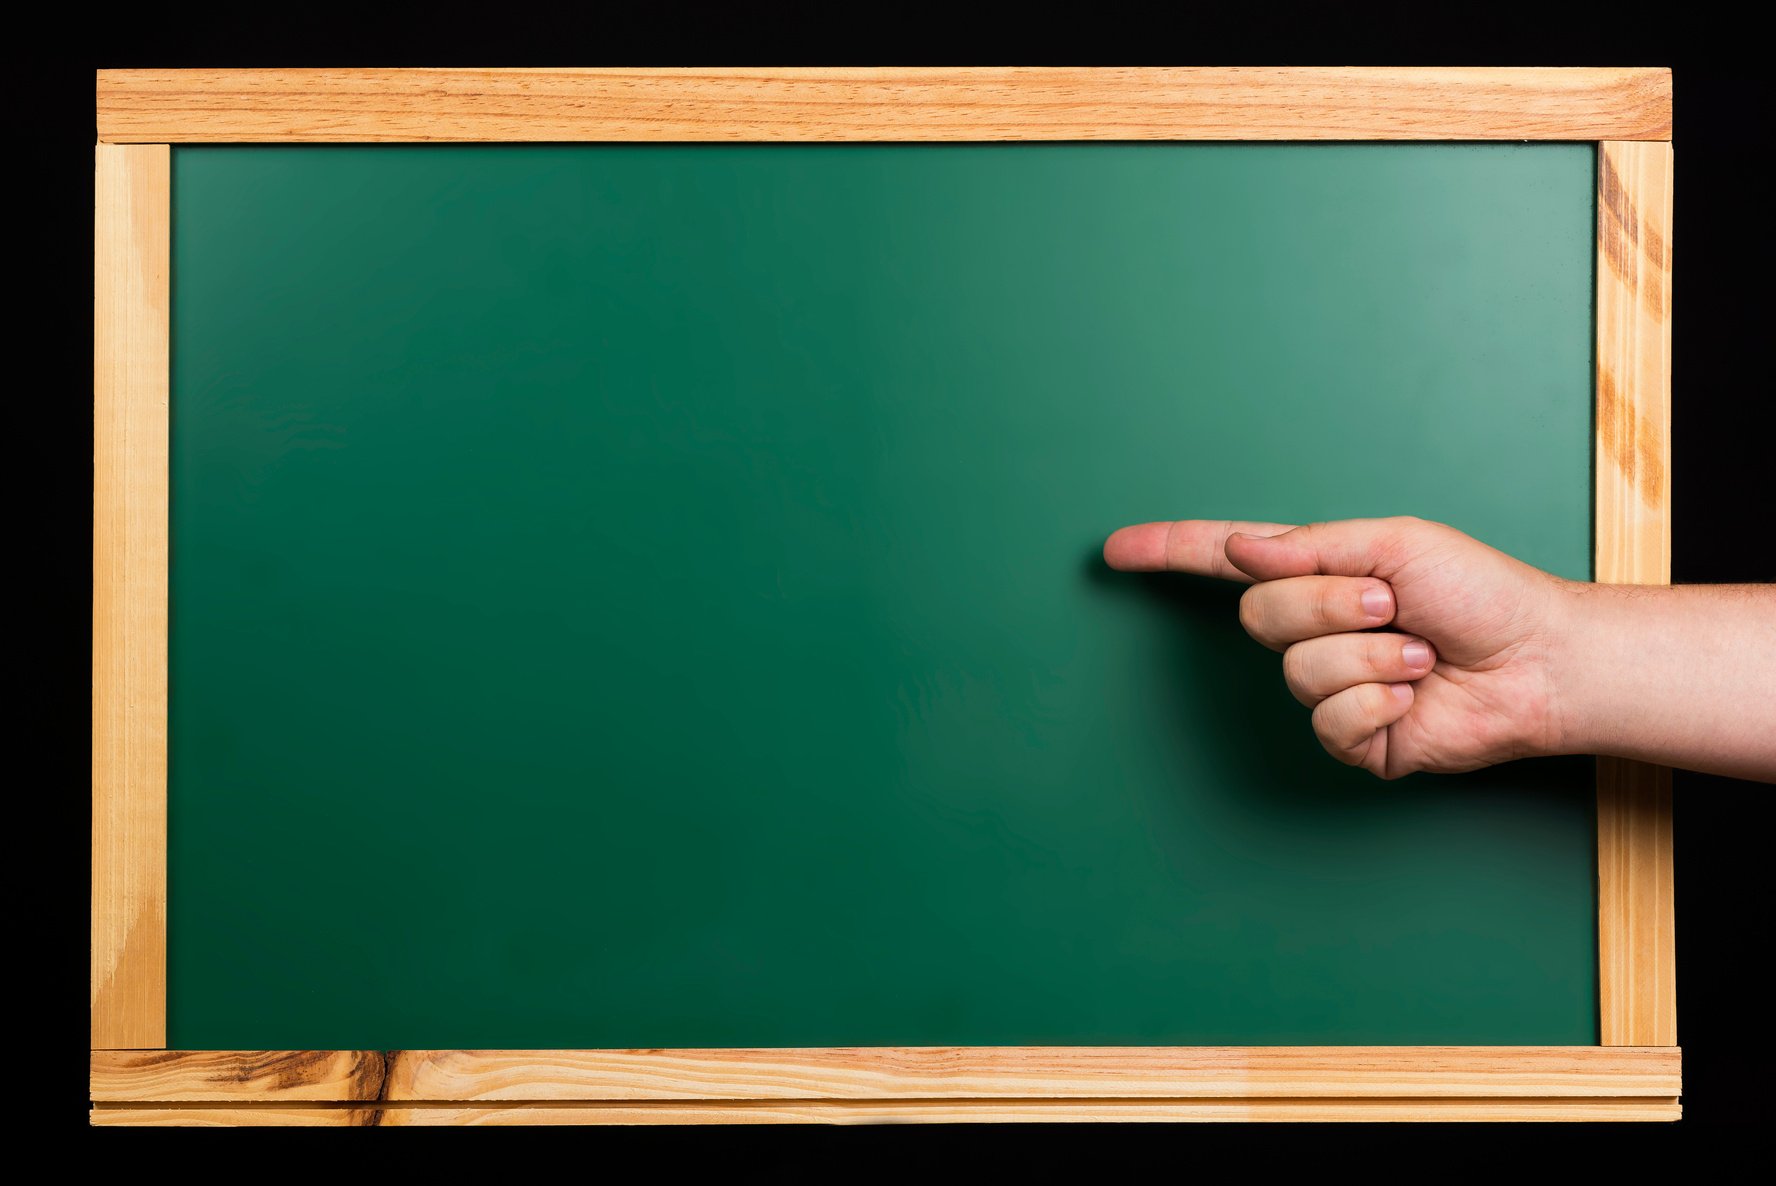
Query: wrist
1577	641
1662	674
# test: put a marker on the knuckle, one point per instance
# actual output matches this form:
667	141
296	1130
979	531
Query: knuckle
1251	612
1298	668
1324	606
1402	535
1338	748
1218	561
1413	525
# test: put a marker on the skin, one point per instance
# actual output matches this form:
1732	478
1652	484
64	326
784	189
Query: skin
1420	648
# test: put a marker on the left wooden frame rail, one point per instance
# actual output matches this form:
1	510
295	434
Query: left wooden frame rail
1633	1074
131	245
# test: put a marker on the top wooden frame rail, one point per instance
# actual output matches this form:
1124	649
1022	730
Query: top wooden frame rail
905	104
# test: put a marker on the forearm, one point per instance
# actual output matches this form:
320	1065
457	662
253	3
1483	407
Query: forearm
1681	675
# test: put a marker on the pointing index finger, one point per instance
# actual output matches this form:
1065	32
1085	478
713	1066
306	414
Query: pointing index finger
1185	545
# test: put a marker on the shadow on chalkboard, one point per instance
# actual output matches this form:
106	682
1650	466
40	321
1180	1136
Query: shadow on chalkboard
1222	689
1221	685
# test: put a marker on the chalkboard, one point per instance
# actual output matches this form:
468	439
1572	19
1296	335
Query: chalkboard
649	596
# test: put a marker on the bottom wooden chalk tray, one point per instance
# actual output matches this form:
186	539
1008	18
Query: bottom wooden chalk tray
884	1085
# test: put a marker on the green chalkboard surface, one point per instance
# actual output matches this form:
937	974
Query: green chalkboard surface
649	596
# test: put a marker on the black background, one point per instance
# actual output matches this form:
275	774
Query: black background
1721	492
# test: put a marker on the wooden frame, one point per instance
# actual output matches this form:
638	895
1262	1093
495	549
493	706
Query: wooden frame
1634	1071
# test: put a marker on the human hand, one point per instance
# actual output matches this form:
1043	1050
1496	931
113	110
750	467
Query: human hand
1461	676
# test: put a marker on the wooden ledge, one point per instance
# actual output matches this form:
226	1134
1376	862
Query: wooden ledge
885	1083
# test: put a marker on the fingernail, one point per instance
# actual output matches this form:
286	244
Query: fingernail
1416	654
1402	692
1377	602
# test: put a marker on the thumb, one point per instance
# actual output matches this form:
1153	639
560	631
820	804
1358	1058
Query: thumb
1347	548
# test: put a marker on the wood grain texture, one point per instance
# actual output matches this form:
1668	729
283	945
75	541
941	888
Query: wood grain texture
964	1072
1042	1111
1633	462
1637	951
131	239
1636	912
286	1076
231	1116
1038	1111
877	1073
981	103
